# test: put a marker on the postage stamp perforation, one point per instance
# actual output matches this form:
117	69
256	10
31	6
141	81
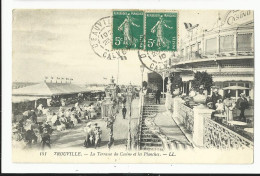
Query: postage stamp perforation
123	37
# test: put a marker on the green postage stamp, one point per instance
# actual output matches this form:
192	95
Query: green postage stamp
158	34
161	31
128	30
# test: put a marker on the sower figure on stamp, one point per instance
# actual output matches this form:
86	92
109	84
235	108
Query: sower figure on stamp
158	27
126	28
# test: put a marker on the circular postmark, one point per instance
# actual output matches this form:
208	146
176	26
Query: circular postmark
100	39
154	60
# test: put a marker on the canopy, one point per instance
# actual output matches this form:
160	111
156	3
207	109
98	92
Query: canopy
95	89
18	99
235	88
49	89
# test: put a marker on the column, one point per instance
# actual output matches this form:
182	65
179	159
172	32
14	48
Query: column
163	76
235	42
176	106
218	45
200	112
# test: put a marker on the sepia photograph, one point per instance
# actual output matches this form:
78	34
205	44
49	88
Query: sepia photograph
77	85
130	86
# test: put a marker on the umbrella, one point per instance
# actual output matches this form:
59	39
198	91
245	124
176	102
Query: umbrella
235	88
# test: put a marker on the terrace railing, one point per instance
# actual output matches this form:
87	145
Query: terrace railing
205	131
185	115
218	136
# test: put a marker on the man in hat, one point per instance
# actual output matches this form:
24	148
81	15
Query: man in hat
158	96
242	105
215	97
46	139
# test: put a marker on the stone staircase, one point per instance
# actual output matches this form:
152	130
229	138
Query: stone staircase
153	138
148	140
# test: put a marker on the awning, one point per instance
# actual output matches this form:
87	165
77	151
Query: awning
19	99
48	89
231	78
235	88
187	78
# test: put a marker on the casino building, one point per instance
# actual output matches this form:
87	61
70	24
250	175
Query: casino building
226	52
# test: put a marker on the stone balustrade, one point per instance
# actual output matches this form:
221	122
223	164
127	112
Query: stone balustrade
184	113
206	132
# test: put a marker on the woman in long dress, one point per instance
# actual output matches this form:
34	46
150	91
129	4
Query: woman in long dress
229	105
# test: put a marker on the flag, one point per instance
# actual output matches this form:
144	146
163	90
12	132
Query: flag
189	27
104	78
58	78
62	78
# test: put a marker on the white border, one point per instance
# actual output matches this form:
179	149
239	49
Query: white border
9	167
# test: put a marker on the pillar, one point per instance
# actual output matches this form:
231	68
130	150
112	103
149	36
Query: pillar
200	112
176	106
163	77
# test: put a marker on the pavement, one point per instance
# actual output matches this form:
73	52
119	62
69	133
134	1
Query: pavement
170	128
74	138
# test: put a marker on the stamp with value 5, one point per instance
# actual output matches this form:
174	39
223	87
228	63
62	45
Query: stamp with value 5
161	31
128	30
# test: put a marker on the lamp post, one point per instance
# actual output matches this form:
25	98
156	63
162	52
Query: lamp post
142	71
129	97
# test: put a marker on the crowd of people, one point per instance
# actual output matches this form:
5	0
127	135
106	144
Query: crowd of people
224	105
37	125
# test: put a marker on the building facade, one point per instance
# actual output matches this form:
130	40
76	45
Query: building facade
226	52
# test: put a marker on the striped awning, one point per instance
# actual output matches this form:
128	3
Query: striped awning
232	78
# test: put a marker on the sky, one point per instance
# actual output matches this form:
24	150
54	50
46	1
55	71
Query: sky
56	43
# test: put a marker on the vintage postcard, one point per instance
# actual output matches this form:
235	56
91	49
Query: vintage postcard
132	86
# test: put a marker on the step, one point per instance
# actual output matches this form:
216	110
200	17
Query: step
151	143
152	148
150	140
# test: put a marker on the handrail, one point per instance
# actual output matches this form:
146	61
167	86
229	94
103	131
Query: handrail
140	120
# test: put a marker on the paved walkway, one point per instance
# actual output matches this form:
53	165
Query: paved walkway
170	128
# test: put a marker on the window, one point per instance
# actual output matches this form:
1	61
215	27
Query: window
240	91
241	84
233	93
225	85
244	42
187	51
193	50
211	46
199	47
226	43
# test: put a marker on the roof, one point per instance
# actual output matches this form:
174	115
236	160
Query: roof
18	99
48	89
95	88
